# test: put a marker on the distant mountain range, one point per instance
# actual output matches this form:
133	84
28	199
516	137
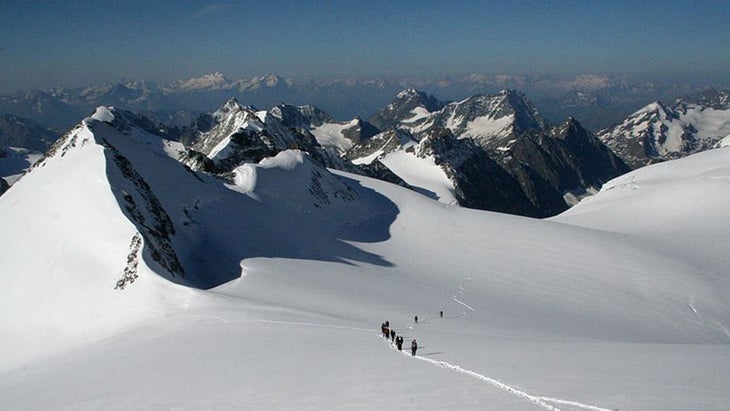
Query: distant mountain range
489	151
596	101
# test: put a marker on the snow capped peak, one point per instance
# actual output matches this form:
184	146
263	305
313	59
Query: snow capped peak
657	132
231	105
408	105
103	114
653	107
407	93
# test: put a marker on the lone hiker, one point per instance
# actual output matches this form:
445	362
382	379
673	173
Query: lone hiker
441	313
415	319
414	347
399	342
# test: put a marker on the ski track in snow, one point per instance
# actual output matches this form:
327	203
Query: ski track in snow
459	291
463	303
547	403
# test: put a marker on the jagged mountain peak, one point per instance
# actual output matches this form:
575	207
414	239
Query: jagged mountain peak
569	125
658	132
299	116
408	94
231	105
124	120
412	96
408	106
233	113
572	131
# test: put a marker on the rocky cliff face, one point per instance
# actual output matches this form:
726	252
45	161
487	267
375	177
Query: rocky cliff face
236	134
497	150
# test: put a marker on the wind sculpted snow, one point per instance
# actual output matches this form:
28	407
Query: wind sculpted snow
198	230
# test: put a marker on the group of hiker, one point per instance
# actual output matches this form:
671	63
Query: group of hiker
389	334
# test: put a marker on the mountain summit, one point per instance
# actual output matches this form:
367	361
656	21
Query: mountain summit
660	132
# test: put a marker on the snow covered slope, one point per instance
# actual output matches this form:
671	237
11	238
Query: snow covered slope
658	132
335	136
677	205
537	314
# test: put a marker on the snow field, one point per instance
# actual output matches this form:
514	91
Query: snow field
606	307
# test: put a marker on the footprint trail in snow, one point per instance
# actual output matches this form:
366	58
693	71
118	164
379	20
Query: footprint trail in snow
547	403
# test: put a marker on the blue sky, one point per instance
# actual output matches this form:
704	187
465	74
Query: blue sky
67	43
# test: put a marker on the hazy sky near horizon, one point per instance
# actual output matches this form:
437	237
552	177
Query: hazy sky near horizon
73	43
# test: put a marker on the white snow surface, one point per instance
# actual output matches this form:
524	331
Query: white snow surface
417	114
331	135
486	126
421	173
620	303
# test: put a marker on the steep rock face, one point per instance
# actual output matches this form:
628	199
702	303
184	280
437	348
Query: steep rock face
408	106
565	161
498	152
237	134
490	120
479	181
660	132
301	116
3	185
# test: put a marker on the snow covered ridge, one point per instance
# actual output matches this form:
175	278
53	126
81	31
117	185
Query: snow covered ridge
659	132
142	189
115	214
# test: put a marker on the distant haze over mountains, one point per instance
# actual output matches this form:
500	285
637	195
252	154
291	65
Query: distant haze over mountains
597	101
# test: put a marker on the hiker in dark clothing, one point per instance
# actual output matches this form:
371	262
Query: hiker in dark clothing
414	347
399	342
415	319
441	313
392	335
384	330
